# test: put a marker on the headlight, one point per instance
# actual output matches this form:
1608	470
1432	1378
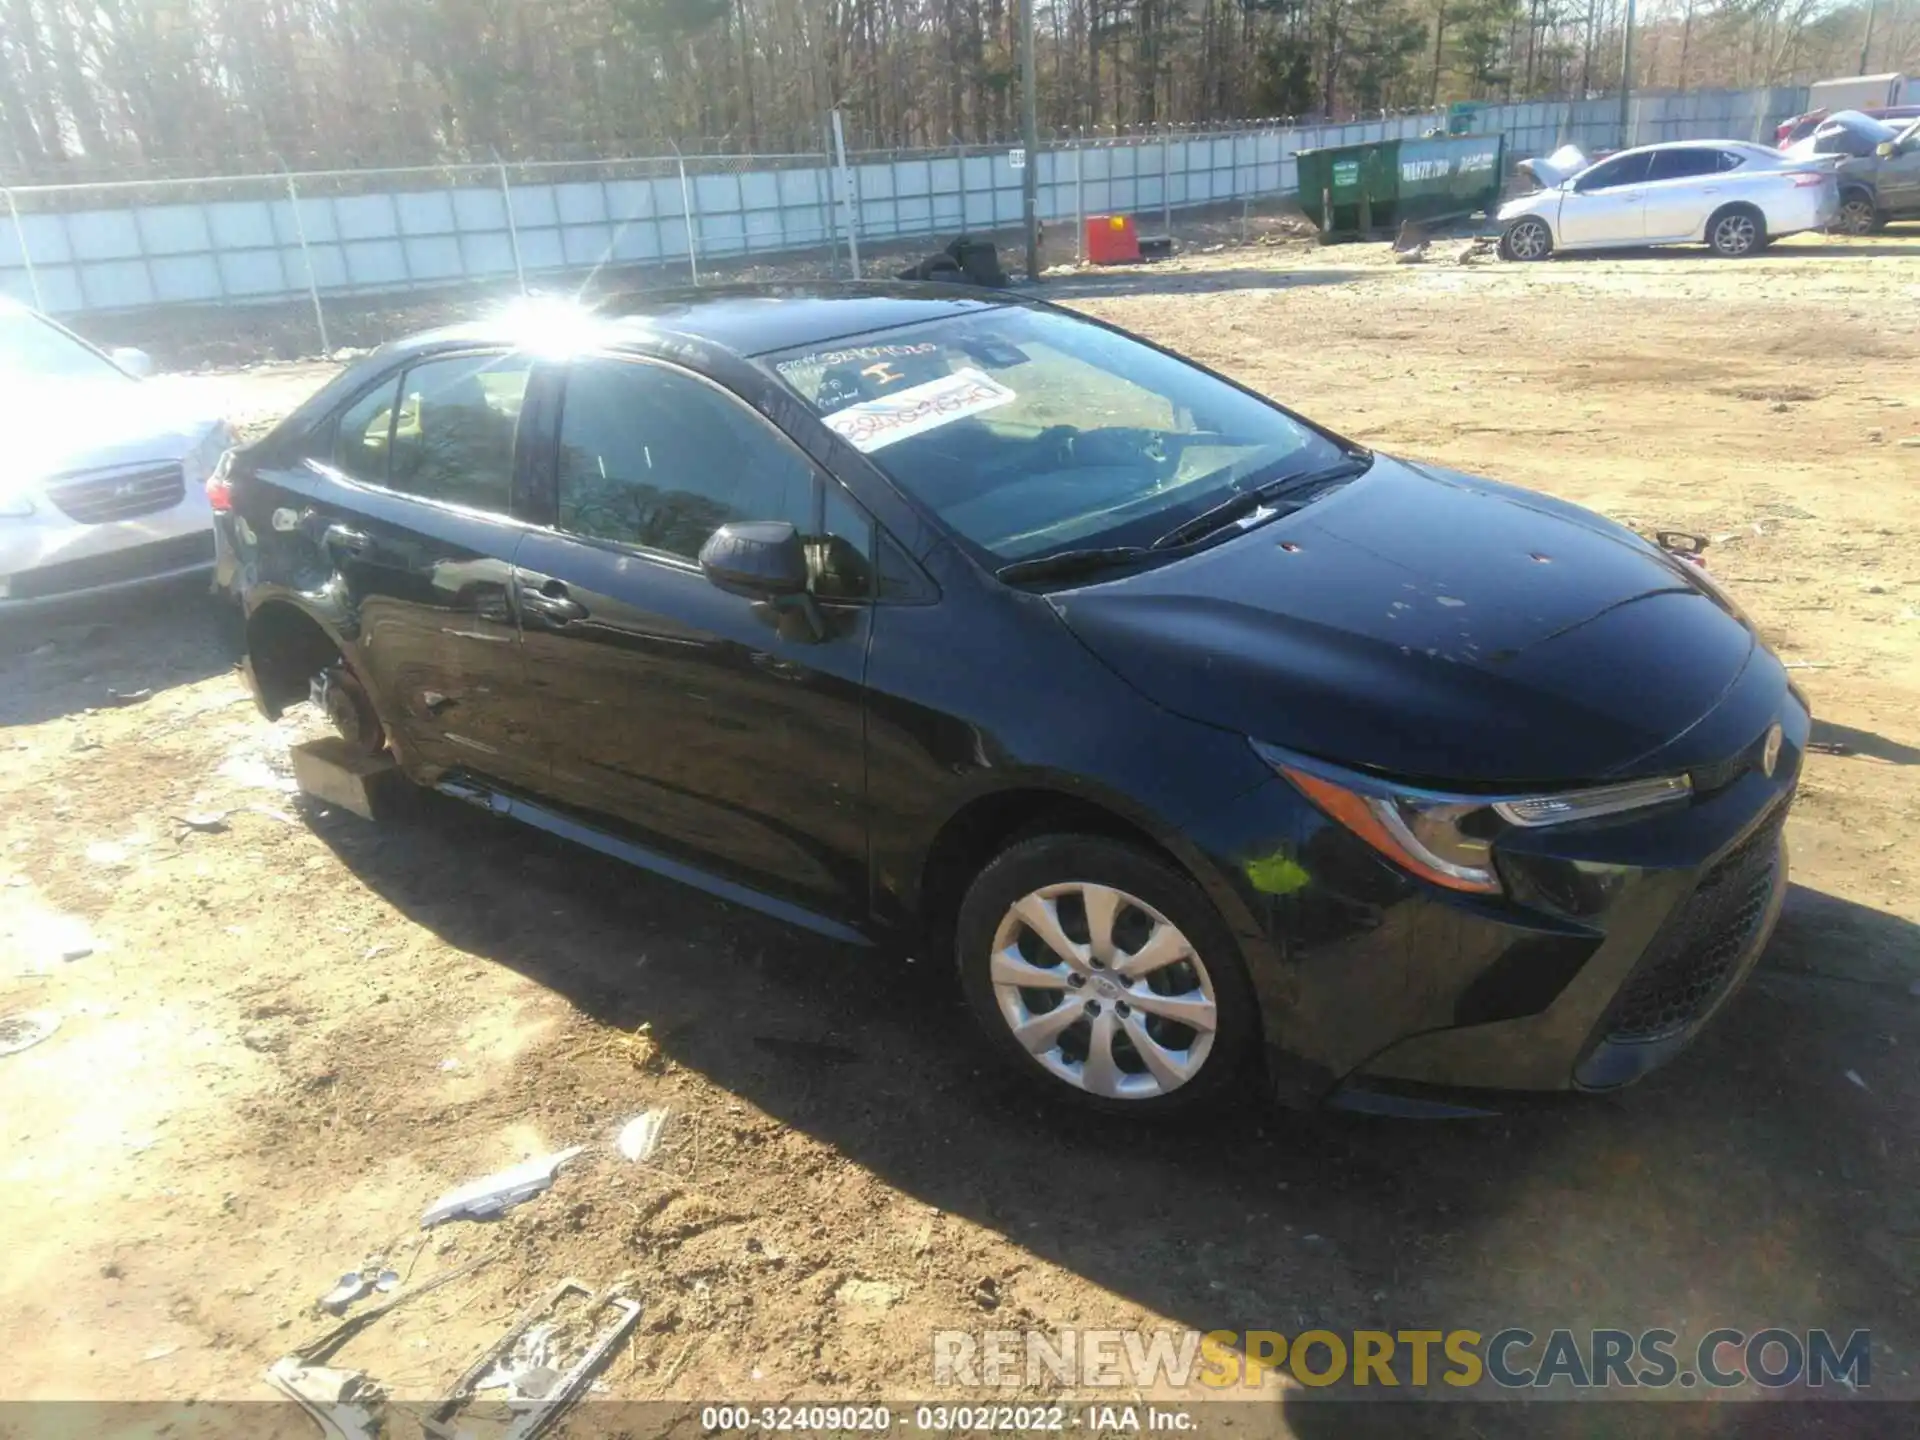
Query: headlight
1448	838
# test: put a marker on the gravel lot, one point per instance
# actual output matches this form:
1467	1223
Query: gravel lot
295	1031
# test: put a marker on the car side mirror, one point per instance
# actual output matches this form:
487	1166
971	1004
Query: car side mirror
765	560
136	363
760	559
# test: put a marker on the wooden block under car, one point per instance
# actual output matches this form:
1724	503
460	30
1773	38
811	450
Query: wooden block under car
331	770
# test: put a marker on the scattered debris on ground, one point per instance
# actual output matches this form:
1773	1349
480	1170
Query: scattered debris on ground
494	1195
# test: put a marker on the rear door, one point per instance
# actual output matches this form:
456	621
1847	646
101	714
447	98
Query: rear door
418	530
717	729
1682	189
1608	204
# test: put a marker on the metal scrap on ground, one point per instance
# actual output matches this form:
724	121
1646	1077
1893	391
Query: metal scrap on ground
491	1195
524	1361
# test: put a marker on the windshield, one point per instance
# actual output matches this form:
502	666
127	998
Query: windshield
1029	432
31	348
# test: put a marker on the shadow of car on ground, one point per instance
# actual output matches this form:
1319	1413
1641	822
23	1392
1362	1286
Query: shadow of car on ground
1754	1182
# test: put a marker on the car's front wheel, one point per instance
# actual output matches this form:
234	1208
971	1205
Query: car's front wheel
1104	973
1527	238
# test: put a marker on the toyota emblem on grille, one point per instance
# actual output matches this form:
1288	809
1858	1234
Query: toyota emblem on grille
1770	752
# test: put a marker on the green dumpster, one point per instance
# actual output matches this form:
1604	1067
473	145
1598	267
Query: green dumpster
1353	191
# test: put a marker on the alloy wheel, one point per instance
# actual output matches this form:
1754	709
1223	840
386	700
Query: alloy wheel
1856	218
1103	991
1528	240
1735	234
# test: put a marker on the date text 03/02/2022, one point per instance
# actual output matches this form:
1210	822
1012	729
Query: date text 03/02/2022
950	1419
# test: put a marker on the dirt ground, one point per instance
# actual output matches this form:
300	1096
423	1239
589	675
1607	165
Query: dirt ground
291	1030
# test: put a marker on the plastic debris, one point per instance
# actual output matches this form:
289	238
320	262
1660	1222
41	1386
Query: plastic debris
26	1028
640	1136
128	697
210	823
494	1194
1854	1076
355	1285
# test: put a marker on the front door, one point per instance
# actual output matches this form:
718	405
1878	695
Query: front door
1897	179
1608	204
423	547
721	730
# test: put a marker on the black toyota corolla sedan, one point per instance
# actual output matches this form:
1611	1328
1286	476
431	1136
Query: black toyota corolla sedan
1195	733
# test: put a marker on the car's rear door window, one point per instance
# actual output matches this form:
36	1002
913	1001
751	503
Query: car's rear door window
364	433
1684	164
454	428
655	458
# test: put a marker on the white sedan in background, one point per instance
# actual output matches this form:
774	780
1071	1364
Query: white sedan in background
1729	195
101	486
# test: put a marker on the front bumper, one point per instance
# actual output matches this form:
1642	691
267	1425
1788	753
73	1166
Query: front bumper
50	557
1616	943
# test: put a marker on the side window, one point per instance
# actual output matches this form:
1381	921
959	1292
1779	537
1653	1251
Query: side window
654	458
840	553
1684	164
453	430
362	434
1727	160
1610	174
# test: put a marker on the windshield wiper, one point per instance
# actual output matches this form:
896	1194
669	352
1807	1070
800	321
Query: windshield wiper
1062	563
1247	501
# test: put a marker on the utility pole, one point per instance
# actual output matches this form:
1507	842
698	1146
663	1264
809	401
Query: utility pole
1626	74
1866	44
1030	139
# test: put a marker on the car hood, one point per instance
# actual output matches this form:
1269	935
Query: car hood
1428	625
1562	164
55	427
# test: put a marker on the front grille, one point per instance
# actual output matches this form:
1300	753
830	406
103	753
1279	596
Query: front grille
1695	954
136	562
101	496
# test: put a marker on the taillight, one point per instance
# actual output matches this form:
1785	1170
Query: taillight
1806	178
220	484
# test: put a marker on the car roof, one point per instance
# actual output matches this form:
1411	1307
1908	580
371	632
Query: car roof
747	320
1746	146
756	319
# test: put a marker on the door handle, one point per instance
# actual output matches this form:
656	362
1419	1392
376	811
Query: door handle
343	537
1709	189
552	603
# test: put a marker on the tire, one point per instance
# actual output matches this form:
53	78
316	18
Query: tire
1736	232
1149	1063
1857	214
1527	238
349	709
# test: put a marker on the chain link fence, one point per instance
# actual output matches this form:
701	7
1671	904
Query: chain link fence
327	241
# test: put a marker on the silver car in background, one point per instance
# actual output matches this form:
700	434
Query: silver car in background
1734	197
102	482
